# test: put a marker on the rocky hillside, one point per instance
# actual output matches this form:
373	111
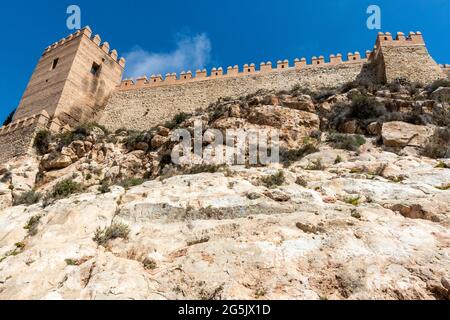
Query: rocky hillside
358	208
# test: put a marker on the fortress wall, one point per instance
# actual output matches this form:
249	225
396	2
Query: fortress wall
143	105
17	138
446	69
405	57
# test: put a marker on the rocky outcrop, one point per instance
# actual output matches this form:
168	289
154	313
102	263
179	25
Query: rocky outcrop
341	217
400	134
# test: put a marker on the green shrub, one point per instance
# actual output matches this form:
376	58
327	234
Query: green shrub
208	168
274	180
135	137
435	147
346	142
32	225
149	264
316	165
104	187
287	157
364	107
65	188
301	182
131	182
177	120
437	84
28	198
338	159
115	231
41	141
80	133
354	201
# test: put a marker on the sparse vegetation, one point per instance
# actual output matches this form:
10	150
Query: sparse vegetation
177	120
437	84
32	225
274	180
104	187
301	182
338	159
42	140
316	165
65	188
364	107
131	182
28	198
208	168
149	264
346	142
115	231
354	201
442	165
287	157
444	187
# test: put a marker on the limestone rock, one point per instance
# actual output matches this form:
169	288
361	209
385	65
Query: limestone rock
402	134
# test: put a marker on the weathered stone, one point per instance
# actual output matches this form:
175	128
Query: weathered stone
158	141
402	134
441	94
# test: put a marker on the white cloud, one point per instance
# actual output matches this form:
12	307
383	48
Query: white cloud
191	53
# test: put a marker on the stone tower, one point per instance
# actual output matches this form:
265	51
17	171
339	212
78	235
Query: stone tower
405	57
73	80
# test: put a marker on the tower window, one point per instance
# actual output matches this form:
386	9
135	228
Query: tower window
55	63
95	68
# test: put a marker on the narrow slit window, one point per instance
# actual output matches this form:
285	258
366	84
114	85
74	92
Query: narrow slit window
95	68
54	64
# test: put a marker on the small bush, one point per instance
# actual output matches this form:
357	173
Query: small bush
149	264
65	188
32	225
135	137
354	201
287	157
28	198
274	180
80	133
338	159
115	231
301	182
346	142
209	168
437	146
131	182
177	120
323	94
365	107
41	141
442	165
104	187
437	84
316	165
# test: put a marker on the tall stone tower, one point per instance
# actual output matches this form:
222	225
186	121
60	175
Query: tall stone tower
72	80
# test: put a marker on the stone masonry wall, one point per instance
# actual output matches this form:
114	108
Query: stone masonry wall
17	143
141	109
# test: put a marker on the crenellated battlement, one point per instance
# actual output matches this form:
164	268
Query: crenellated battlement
96	39
246	70
413	38
43	120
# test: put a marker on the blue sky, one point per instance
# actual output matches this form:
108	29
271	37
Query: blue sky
174	35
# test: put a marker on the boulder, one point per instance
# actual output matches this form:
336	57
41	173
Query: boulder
158	141
401	134
441	94
55	162
302	102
